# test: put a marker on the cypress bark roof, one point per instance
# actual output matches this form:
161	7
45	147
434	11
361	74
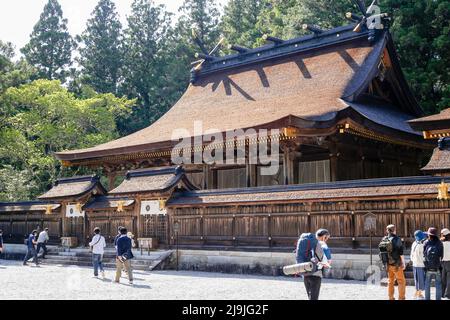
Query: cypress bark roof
152	180
375	188
74	187
27	206
440	160
304	82
438	121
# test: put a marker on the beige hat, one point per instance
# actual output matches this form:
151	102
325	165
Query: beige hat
445	232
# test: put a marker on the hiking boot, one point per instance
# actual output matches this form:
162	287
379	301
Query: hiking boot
130	282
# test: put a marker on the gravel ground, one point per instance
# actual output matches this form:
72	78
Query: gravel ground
71	282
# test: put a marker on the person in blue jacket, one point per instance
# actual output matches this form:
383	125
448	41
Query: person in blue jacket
123	256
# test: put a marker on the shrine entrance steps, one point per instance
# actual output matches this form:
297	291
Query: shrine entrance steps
147	261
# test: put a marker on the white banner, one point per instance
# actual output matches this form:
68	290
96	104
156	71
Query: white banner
152	207
72	210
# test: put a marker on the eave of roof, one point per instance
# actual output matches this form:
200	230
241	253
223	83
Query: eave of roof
440	121
107	202
321	191
27	206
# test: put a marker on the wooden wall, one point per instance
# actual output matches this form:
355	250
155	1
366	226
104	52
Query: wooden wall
279	225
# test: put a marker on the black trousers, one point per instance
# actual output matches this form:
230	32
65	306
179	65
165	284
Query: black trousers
312	285
44	247
446	279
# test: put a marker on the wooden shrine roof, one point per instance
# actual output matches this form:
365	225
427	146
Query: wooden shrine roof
440	160
74	187
362	189
27	206
152	180
440	121
305	82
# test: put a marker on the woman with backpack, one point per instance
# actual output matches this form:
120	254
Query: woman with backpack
418	263
433	252
445	233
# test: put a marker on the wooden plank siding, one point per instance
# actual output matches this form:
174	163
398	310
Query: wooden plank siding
279	225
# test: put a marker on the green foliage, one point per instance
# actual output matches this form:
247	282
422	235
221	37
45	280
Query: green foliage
44	117
421	31
102	54
239	21
50	47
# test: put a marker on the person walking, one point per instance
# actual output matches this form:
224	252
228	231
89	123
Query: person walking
124	256
445	237
41	242
97	246
117	236
433	252
314	252
391	253
1	242
31	249
418	263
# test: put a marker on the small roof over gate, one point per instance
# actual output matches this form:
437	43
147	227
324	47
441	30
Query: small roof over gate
153	181
74	187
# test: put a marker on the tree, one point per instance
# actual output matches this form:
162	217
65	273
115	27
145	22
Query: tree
145	68
421	31
101	56
50	47
203	16
238	23
44	117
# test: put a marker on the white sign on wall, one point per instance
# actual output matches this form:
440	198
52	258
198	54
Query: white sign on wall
72	210
152	207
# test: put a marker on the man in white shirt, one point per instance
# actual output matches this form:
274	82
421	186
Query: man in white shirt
41	242
98	245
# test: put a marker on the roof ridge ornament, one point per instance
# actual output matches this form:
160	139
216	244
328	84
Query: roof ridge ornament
372	19
205	55
275	40
312	28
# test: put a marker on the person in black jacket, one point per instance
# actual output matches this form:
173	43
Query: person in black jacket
123	256
433	252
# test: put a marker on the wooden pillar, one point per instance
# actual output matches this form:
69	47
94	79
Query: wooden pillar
250	175
205	176
288	165
111	180
361	163
333	161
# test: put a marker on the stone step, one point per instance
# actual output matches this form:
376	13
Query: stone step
109	265
76	259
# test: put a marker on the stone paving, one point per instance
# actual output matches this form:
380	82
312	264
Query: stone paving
71	282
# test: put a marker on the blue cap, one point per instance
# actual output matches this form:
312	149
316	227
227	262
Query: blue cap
420	235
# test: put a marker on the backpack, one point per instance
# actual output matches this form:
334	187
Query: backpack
386	248
432	259
306	245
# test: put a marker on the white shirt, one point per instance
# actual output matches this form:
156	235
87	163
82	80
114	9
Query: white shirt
43	236
446	251
98	244
417	257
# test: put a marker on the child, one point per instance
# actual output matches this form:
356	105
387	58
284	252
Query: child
418	263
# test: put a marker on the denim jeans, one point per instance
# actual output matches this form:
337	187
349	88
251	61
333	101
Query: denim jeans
446	279
419	278
438	279
31	252
44	247
97	262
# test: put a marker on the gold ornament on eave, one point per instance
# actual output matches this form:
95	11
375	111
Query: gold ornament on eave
120	205
48	209
162	204
78	207
443	191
